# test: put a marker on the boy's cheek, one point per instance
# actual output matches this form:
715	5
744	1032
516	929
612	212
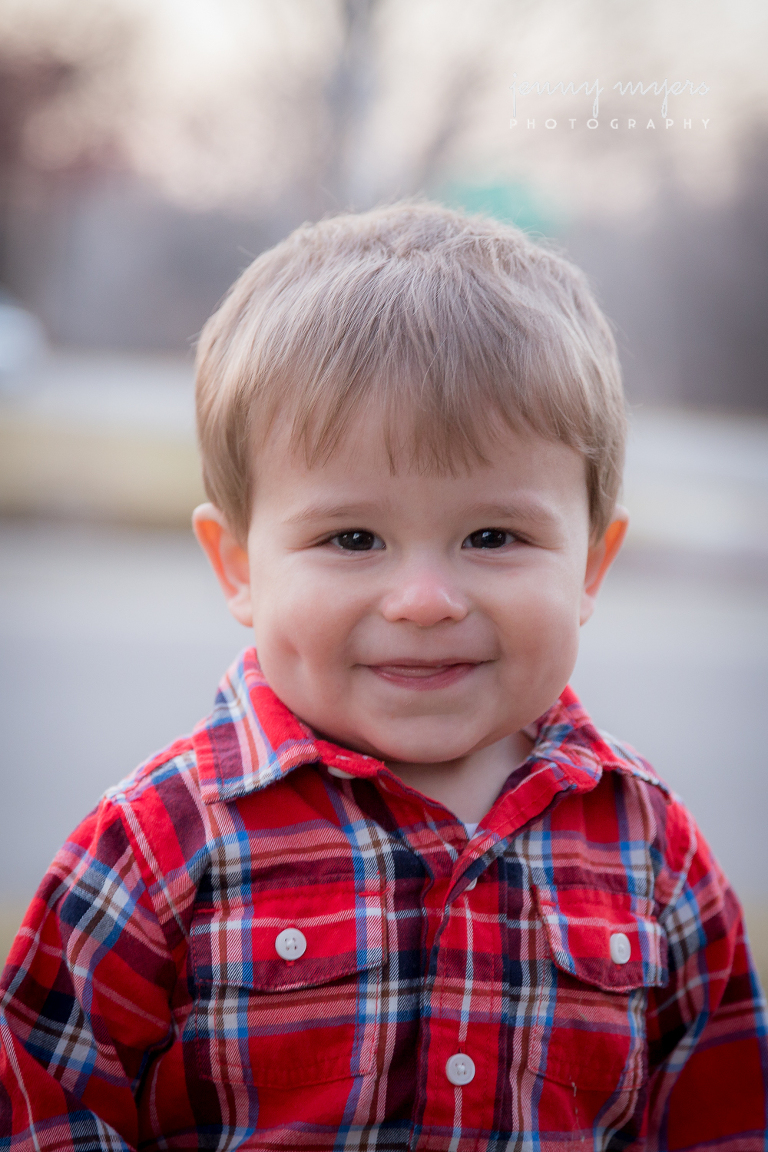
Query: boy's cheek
302	610
539	613
303	638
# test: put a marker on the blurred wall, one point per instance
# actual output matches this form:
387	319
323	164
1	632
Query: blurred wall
109	264
686	284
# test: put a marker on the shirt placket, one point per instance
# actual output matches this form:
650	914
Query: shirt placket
462	1052
461	1015
462	999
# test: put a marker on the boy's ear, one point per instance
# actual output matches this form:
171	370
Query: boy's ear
228	558
599	559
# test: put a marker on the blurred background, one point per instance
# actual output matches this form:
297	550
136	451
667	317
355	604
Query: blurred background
149	149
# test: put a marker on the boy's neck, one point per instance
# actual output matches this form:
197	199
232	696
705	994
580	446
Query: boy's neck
468	786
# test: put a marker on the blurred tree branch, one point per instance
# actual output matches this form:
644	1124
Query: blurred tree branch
54	121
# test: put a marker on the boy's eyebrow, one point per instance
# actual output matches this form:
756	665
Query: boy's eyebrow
527	508
330	511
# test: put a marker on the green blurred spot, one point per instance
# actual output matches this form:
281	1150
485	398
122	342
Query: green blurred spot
514	203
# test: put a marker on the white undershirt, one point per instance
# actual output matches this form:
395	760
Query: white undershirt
471	828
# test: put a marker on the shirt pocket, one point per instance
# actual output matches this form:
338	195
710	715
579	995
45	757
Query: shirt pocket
259	1018
589	1017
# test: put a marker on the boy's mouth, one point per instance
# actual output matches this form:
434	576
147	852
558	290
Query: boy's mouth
419	675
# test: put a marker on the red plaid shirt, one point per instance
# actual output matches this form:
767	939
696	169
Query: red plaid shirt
263	940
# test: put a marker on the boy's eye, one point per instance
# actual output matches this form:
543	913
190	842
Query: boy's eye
358	540
488	538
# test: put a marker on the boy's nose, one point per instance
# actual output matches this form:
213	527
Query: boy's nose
424	599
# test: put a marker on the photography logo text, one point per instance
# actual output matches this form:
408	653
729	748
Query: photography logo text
651	105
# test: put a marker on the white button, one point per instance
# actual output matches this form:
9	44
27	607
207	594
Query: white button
340	773
460	1069
621	949
471	885
291	944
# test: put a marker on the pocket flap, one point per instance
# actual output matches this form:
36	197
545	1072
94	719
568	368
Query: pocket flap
280	1017
343	925
590	932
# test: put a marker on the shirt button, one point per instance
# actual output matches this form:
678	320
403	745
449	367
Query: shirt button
340	774
460	1069
472	884
621	949
291	944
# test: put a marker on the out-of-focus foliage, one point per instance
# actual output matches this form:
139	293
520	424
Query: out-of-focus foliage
239	103
150	148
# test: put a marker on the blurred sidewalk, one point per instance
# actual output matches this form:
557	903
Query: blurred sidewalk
698	482
102	437
112	437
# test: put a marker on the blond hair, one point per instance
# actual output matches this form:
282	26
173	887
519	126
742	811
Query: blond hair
457	324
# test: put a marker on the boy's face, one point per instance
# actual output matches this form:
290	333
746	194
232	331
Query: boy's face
416	617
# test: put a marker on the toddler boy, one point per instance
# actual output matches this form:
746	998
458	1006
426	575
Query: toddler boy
396	892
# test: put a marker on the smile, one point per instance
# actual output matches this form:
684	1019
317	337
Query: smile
424	676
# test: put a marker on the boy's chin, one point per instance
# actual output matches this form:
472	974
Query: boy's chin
422	748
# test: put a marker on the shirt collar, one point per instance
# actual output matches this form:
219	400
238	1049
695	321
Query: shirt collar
251	740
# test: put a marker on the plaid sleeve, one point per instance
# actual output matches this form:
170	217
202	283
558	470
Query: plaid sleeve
707	1027
85	998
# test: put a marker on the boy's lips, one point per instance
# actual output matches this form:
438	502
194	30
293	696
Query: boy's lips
421	675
